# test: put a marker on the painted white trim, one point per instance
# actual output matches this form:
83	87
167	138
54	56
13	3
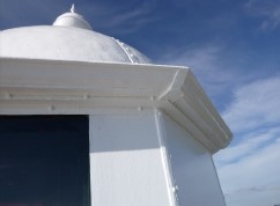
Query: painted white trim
126	161
165	160
218	179
192	167
29	86
124	50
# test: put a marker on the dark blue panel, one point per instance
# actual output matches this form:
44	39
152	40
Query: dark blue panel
44	160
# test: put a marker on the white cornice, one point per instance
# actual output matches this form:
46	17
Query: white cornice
30	86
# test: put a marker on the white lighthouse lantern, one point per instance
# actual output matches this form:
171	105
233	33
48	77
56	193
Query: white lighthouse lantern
88	120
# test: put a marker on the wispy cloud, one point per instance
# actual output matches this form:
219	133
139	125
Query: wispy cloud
136	17
255	105
203	61
248	169
207	62
247	145
268	10
257	176
121	18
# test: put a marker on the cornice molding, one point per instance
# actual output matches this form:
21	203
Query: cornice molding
30	86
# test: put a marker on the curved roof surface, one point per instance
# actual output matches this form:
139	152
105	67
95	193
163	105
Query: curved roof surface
70	38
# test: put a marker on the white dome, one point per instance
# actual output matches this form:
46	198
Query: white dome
70	38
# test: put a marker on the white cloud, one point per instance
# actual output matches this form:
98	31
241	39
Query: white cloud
115	17
268	10
140	15
255	105
206	63
203	59
256	176
249	169
122	18
253	198
247	145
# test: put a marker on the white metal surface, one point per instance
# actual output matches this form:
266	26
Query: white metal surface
138	157
29	86
126	162
194	177
148	159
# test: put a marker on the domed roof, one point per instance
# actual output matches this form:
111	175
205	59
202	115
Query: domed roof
69	38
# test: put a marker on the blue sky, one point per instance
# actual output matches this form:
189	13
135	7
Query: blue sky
233	49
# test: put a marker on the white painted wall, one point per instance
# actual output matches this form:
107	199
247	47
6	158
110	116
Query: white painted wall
126	162
193	171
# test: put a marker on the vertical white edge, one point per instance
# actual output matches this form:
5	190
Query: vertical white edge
218	179
161	133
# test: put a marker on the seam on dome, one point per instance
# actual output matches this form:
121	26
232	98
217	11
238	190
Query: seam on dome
124	50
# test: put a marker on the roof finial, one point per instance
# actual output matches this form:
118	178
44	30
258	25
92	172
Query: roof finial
72	8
